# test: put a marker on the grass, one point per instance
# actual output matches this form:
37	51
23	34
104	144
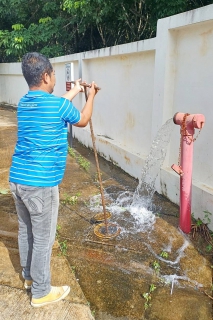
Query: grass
62	244
71	200
84	164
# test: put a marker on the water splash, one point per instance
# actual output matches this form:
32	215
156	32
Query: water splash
180	253
133	211
145	190
174	279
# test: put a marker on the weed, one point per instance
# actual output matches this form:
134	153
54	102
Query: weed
63	247
201	227
71	152
86	203
206	219
83	163
207	216
73	269
156	266
81	160
97	176
72	200
209	247
62	244
164	254
58	227
93	313
148	296
199	222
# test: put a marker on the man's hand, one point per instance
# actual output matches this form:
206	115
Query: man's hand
79	86
93	89
75	90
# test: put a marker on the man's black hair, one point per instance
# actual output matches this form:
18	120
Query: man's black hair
34	65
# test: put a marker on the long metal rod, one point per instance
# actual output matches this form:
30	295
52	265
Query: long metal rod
98	167
86	85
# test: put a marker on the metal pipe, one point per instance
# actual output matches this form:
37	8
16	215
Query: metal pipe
98	167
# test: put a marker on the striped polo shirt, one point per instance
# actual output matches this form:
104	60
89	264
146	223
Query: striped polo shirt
40	154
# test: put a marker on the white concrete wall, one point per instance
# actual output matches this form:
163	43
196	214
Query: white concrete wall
143	84
12	83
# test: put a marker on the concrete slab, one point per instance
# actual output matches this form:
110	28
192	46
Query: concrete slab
12	291
15	304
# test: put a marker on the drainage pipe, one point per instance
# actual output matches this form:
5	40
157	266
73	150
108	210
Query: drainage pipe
188	123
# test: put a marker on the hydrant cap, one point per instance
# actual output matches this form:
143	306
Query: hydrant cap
199	121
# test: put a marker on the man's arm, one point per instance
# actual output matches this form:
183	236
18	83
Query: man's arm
74	91
86	112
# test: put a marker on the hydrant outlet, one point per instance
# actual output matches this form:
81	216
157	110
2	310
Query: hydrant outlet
174	117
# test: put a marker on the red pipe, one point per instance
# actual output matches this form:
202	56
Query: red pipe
187	122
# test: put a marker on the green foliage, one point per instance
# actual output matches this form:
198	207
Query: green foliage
71	152
148	296
207	215
63	27
199	222
58	227
209	247
62	244
164	254
206	219
63	247
156	266
83	163
159	9
73	268
71	200
93	313
81	160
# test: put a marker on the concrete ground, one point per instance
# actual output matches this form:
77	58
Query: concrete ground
14	299
114	275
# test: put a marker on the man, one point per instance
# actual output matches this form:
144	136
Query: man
38	166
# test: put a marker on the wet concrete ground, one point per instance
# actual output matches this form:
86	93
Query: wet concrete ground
116	275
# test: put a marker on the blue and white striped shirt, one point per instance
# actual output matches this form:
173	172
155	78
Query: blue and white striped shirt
40	154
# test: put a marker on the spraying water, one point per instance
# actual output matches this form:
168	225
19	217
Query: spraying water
135	209
146	187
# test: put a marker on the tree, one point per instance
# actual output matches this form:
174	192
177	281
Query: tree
42	29
59	27
159	9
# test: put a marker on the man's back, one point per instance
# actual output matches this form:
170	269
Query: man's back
41	149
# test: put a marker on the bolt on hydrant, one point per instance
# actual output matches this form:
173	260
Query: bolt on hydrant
188	123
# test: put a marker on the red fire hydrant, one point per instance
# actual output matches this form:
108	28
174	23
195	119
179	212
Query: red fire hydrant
188	123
